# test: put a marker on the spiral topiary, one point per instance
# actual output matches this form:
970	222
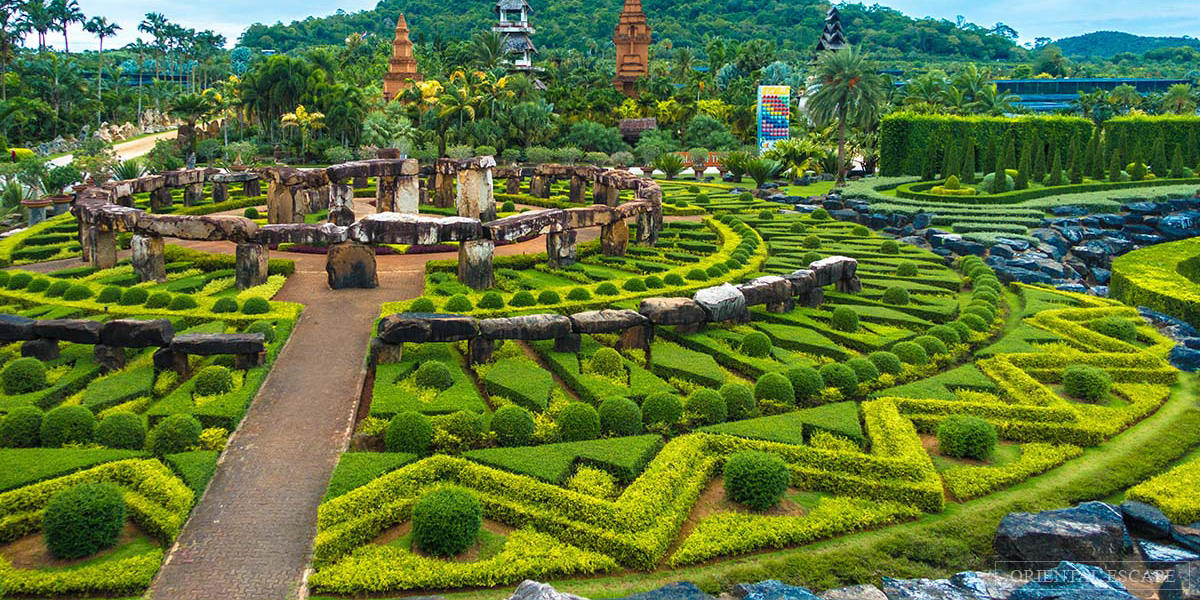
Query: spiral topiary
434	374
896	296
21	428
755	479
67	425
138	296
841	377
410	431
620	416
739	401
446	521
806	383
964	436
707	407
844	319
123	430
213	380
578	422
1086	382
864	369
776	388
911	353
23	375
756	344
662	409
83	520
513	426
176	433
886	362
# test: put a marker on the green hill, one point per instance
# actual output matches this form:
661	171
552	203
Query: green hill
1104	44
794	26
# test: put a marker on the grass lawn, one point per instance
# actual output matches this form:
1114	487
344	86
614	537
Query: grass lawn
819	188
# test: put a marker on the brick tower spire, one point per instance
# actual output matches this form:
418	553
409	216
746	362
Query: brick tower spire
402	66
632	38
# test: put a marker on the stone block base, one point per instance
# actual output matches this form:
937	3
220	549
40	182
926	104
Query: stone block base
351	265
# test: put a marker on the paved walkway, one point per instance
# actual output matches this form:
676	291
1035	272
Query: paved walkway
128	149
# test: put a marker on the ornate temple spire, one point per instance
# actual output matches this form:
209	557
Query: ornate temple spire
832	36
402	66
632	39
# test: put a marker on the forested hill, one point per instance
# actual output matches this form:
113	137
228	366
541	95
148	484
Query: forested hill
582	24
1104	44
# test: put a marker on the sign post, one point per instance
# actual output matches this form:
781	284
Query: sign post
774	108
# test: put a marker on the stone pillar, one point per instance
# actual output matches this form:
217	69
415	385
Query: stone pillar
193	193
315	200
599	192
37	213
425	185
407	198
283	204
614	238
104	247
85	242
639	337
110	358
351	265
250	266
571	342
476	198
475	264
160	198
341	204
380	352
360	182
220	192
647	229
385	194
166	359
479	350
252	188
149	258
513	185
443	190
578	193
126	201
560	248
539	186
612	195
42	349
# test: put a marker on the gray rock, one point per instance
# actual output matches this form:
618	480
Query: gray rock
854	592
803	281
606	321
772	589
15	328
326	233
79	331
924	589
722	303
672	311
529	327
134	333
1087	533
418	327
1182	584
208	344
986	585
532	590
1145	521
770	289
1069	577
1188	537
534	222
1162	557
682	590
202	228
43	350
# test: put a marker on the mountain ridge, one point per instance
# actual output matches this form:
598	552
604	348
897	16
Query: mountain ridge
1105	44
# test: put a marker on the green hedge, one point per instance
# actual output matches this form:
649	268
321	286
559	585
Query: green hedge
1142	131
917	191
1164	277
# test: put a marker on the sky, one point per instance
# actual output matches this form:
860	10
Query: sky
1031	18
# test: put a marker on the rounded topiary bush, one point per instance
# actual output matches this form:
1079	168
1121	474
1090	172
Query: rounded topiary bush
250	213
739	401
158	300
654	282
932	345
806	383
176	433
446	521
886	362
58	288
820	214
864	369
513	426
38	284
844	319
986	313
123	430
766	215
707	407
18	281
634	284
73	424
579	294
521	299
1086	382
620	416
549	297
696	275
662	409
889	247
911	353
213	380
1116	327
776	388
841	377
947	334
607	289
411	432
23	375
974	322
185	302
964	436
423	305
225	305
860	230
266	328
673	279
811	241
896	296
21	428
109	294
578	421
434	374
756	344
964	332
607	362
907	269
83	520
137	296
756	479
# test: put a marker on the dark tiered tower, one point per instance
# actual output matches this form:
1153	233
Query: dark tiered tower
512	23
632	38
402	66
832	37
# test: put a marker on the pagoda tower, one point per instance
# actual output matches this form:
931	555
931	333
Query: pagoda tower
632	39
402	66
832	37
512	23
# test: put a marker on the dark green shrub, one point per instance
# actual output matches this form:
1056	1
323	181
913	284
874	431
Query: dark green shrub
185	302
83	520
696	275
620	416
18	281
508	207
39	284
841	377
256	306
1116	327
662	409
707	407
964	332
213	380
907	269
911	353
425	305
932	345
607	289
123	430
820	214
947	334
756	479
21	428
798	228
963	436
74	293
409	431
864	369
811	241
266	328
776	388
67	425
23	375
137	296
607	362
634	285
809	258
250	213
756	344
549	297
57	288
579	294
896	296
225	305
109	294
739	401
522	299
986	313
459	303
886	362
446	521
653	282
174	434
673	279
578	422
1086	382
974	322
806	382
844	319
861	231
513	426
434	374
889	247
158	300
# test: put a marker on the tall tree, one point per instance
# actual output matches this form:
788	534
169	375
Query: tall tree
850	93
1056	170
191	108
1158	157
155	25
1000	173
12	29
39	19
65	13
101	28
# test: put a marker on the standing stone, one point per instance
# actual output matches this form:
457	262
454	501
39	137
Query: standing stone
611	197
252	188
220	192
385	193
476	198
512	185
250	268
560	248
599	192
193	194
85	241
539	186
351	265
475	264
341	204
285	203
104	247
166	359
647	229
571	342
382	353
41	349
149	258
110	358
360	182
125	200
443	190
614	238
638	337
578	192
407	198
160	198
480	350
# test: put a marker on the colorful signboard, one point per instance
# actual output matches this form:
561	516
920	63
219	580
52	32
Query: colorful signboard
774	108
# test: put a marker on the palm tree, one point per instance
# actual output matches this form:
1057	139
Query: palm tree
990	101
1179	100
683	64
849	93
66	12
154	24
191	108
460	101
487	49
1125	96
38	18
304	120
12	29
101	28
927	89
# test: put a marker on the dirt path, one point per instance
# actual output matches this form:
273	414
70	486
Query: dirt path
127	150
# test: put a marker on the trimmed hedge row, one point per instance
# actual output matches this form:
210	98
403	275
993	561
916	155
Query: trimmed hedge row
1163	277
918	191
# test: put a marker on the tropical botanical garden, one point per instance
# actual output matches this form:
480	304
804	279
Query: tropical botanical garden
394	303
